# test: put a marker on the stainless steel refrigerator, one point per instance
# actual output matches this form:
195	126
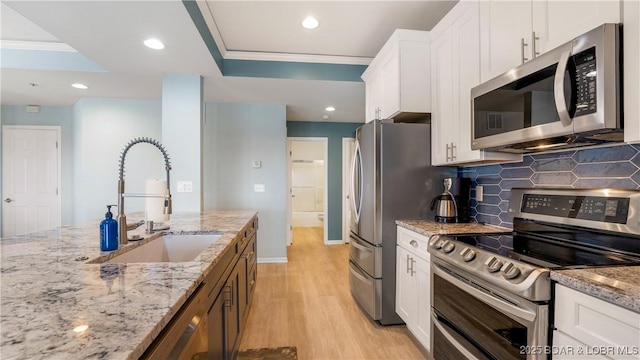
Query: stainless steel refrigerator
392	178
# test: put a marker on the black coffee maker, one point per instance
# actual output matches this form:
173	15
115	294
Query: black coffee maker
452	206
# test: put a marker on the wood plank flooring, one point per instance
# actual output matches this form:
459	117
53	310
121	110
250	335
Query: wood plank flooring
307	303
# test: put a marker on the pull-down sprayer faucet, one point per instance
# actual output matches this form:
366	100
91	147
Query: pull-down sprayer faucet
122	218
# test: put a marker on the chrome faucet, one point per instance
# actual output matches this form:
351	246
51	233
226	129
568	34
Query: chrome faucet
122	218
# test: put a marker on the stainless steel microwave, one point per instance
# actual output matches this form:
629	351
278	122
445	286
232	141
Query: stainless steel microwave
570	96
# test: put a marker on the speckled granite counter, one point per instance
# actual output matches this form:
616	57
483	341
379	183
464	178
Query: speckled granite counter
618	285
428	228
48	291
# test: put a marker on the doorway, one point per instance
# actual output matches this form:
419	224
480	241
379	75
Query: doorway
31	177
307	180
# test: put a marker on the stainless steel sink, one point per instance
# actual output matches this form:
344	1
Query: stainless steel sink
168	248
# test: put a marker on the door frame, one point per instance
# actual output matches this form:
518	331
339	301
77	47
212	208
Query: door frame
58	131
325	221
348	143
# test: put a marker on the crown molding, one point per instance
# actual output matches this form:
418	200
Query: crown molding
35	45
304	58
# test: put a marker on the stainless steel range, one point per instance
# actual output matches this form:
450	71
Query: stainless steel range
494	303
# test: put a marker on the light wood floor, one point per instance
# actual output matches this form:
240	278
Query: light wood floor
307	303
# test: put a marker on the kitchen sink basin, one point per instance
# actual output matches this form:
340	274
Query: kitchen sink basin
168	248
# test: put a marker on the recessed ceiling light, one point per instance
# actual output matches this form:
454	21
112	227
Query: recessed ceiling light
310	23
80	86
330	108
154	44
81	328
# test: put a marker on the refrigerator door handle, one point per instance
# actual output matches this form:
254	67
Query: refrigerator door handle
357	157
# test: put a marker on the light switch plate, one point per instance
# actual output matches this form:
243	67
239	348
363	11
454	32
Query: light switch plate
185	186
479	193
256	164
258	187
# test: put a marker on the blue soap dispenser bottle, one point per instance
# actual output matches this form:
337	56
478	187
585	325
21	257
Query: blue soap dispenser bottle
108	232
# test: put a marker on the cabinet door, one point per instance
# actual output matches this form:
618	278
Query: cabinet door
422	323
596	322
390	89
442	118
233	309
217	321
556	22
466	55
373	97
504	26
405	289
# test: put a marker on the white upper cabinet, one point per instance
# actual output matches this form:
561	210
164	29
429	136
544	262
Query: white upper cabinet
517	31
505	36
631	40
398	80
455	69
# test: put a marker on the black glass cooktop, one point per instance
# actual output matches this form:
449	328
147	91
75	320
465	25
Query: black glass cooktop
557	246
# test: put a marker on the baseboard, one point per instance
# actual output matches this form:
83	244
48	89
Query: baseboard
334	242
272	260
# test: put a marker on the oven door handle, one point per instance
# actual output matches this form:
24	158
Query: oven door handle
486	298
451	339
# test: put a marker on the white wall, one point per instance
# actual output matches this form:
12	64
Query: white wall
101	129
182	136
234	135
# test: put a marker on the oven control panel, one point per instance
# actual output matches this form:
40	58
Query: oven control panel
596	208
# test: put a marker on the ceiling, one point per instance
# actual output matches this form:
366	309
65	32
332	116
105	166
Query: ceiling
47	45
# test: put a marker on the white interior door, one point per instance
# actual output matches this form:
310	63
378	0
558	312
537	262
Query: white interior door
30	179
347	155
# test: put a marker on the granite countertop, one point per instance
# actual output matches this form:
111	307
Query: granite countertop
49	293
619	285
430	227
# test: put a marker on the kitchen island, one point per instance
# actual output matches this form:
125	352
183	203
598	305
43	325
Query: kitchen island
54	304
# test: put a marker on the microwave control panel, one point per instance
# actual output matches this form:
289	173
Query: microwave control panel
585	82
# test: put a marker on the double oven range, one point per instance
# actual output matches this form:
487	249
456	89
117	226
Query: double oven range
495	302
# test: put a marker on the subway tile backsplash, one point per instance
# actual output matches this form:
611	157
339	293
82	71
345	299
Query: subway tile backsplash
608	167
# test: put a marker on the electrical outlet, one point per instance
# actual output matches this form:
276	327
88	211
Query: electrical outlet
256	164
185	186
258	187
479	193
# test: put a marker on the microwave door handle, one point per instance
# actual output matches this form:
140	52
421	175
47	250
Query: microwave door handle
558	87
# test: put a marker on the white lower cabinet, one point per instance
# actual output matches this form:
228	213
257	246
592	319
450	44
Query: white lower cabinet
413	303
589	328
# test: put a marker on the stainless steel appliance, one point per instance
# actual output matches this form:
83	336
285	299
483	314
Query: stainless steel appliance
570	96
452	206
392	178
490	303
445	205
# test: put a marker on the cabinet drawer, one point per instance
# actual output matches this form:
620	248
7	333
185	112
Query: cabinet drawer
595	322
413	242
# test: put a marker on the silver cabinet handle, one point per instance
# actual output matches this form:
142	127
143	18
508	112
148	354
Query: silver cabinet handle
522	45
8	200
408	262
413	262
448	158
453	148
534	53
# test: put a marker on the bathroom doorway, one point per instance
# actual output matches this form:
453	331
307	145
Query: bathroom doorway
307	178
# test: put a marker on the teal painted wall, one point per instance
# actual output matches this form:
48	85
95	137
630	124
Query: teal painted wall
334	132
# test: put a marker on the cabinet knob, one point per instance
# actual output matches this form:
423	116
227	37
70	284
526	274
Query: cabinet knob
8	200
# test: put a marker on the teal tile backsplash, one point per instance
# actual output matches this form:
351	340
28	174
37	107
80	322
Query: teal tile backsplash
608	167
